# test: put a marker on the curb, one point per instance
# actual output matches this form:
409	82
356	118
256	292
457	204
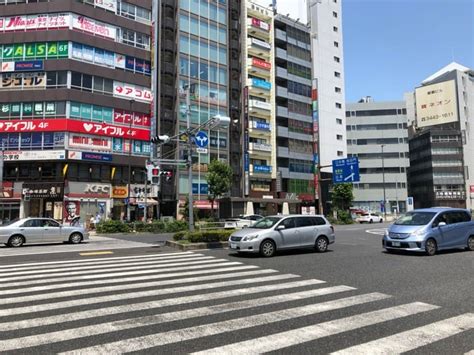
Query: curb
197	246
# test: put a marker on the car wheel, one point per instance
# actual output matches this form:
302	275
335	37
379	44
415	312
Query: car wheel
470	243
430	247
267	248
371	221
16	241
381	220
321	244
75	238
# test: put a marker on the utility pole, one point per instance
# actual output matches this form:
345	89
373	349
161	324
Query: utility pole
190	159
383	185
130	158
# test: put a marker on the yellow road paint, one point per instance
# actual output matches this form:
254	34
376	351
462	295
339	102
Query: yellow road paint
96	253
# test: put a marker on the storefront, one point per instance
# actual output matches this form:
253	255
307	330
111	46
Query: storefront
10	197
87	200
43	199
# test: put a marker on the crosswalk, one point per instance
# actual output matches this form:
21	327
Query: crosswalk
193	303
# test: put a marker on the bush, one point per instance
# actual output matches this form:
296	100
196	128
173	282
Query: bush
210	236
112	226
175	226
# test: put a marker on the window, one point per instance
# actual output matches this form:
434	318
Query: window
337	74
339	137
340	153
339	121
337	90
334	14
336	44
338	105
337	59
305	221
288	223
335	29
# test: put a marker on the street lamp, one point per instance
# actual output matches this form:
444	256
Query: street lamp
383	185
129	158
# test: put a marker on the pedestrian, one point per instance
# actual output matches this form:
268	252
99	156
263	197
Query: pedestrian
92	223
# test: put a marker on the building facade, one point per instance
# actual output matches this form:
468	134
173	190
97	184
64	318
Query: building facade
75	97
442	139
325	18
377	134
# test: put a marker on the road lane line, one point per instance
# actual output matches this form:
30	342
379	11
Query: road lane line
79	292
163	302
93	269
92	253
147	277
313	332
139	270
104	328
174	336
414	338
84	261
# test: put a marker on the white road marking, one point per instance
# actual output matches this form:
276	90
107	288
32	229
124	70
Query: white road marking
94	261
161	303
91	270
414	338
84	291
103	328
379	231
148	277
174	336
114	274
313	332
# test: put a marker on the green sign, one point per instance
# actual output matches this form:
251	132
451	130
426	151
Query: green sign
7	51
38	50
63	49
19	52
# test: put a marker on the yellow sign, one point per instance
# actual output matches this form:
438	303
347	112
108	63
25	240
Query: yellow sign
436	104
119	192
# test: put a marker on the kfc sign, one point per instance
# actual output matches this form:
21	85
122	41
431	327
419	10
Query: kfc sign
67	125
90	143
97	189
135	92
95	27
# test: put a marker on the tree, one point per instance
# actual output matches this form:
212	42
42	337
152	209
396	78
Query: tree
219	180
342	198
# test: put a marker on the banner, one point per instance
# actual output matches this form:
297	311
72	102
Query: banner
79	141
110	5
436	104
130	91
95	27
23	80
35	50
35	22
34	155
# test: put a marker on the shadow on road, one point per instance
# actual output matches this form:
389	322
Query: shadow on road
244	255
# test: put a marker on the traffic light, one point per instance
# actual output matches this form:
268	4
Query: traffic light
168	175
153	174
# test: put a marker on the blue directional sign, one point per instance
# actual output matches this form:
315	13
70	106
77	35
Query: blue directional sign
345	170
201	139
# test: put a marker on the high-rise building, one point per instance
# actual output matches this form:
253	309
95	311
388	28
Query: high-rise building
442	139
75	95
325	17
377	134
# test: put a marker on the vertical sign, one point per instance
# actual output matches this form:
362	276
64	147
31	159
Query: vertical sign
314	98
246	143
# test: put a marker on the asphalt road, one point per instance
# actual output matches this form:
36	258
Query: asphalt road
149	299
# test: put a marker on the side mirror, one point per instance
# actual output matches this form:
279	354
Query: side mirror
441	224
280	227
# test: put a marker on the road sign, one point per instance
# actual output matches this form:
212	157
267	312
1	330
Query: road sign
201	139
345	170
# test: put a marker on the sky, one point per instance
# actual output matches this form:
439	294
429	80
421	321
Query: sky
391	46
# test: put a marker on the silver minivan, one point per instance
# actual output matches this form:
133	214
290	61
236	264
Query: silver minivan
273	233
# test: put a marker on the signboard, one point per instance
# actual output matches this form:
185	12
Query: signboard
201	139
345	170
93	26
17	81
262	169
89	143
260	24
29	65
130	91
89	156
119	192
261	84
68	125
34	50
471	191
110	5
261	63
35	22
39	190
261	43
34	155
436	104
7	67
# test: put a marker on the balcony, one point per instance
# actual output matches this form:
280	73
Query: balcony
259	48
280	35
281	72
261	147
259	67
281	53
282	111
259	107
282	131
281	91
260	126
259	87
261	169
258	27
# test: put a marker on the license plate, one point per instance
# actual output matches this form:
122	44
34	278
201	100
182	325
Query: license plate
396	244
233	246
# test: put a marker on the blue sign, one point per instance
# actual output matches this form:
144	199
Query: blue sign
29	65
97	157
262	169
201	139
261	84
246	161
345	170
261	125
200	188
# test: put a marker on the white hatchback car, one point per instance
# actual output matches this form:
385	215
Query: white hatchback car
370	218
241	221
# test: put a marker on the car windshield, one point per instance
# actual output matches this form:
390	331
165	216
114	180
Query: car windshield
265	223
415	219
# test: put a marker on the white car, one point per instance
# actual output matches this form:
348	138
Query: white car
241	221
370	218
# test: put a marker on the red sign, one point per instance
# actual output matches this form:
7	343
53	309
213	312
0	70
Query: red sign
471	189
139	119
261	63
67	125
260	24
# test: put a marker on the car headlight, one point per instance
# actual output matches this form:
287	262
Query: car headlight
249	238
418	232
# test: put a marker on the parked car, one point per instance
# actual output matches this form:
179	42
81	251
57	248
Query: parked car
242	221
430	230
40	230
274	233
369	218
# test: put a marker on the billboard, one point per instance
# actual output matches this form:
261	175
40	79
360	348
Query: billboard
436	104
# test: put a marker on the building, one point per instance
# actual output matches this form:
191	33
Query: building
442	139
377	134
75	97
325	18
295	138
195	60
